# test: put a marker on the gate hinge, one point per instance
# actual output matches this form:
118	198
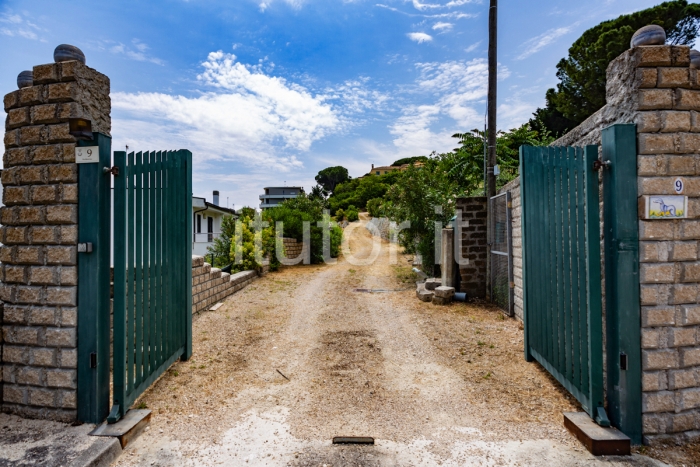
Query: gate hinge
598	164
113	170
512	285
509	204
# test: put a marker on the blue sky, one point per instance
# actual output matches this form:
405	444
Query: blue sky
267	92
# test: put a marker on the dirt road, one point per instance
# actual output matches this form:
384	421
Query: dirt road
300	357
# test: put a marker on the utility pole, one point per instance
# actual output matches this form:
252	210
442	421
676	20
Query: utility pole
491	139
492	94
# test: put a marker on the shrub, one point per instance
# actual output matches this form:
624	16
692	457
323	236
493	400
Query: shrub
249	249
340	215
353	215
374	207
293	214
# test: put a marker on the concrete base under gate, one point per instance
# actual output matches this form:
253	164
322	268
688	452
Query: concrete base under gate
126	429
598	440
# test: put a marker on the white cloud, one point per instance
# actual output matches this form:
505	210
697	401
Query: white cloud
419	37
449	15
137	51
440	26
17	26
457	90
473	47
425	6
246	116
534	45
355	97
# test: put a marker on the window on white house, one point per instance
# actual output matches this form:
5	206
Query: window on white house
199	223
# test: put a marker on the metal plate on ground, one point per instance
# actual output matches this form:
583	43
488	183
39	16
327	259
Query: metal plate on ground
598	440
125	429
353	440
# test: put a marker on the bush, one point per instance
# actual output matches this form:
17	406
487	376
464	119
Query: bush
353	215
374	207
336	240
340	215
293	214
244	244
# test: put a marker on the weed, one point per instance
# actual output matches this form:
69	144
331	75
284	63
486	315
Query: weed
142	406
352	271
491	346
176	373
201	367
480	343
487	375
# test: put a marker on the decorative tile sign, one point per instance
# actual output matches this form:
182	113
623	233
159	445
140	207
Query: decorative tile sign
665	207
87	155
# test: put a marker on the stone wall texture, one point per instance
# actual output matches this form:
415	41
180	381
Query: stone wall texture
210	285
39	234
473	246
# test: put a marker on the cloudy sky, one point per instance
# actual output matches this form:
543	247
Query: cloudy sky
268	92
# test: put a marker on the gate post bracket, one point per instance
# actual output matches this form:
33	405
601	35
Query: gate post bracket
601	417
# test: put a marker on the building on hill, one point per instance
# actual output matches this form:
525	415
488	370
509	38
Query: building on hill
383	170
275	195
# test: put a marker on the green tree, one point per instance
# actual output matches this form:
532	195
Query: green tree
330	177
409	160
581	90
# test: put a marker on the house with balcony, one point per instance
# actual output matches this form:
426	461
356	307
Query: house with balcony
276	195
206	222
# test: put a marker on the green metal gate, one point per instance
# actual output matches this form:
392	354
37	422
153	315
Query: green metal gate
152	269
562	272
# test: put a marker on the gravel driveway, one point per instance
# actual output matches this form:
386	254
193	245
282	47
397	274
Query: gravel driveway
300	357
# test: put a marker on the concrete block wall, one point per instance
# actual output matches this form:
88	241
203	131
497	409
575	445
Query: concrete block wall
39	234
473	246
210	285
293	248
517	243
668	143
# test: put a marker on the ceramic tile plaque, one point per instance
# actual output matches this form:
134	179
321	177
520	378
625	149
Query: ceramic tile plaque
665	206
87	155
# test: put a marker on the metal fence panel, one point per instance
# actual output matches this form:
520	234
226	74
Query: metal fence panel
502	287
152	269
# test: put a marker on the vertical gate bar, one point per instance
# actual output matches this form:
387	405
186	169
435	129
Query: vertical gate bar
560	363
574	253
119	380
187	252
175	258
622	290
131	192
525	237
544	323
566	255
553	333
595	318
147	368
152	278
169	239
157	231
138	285
509	238
583	275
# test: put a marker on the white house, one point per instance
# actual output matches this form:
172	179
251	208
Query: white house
206	222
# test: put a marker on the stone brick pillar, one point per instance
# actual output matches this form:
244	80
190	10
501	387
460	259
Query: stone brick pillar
40	233
668	125
473	276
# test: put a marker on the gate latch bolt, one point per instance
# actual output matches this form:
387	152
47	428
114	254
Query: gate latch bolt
111	170
85	247
597	165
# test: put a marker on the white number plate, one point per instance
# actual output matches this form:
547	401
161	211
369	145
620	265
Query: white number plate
87	155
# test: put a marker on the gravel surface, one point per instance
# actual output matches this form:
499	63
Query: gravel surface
300	357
